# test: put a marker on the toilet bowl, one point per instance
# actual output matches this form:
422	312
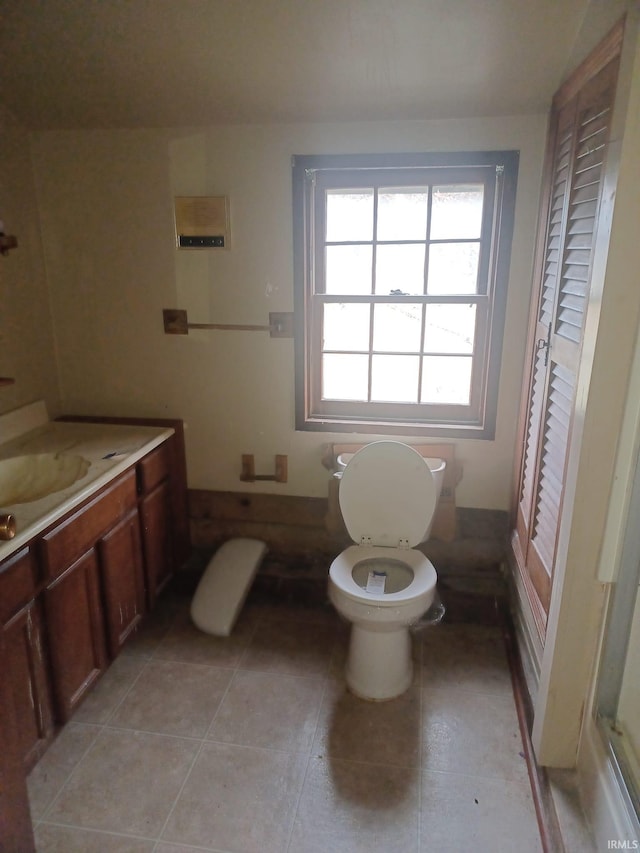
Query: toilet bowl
382	585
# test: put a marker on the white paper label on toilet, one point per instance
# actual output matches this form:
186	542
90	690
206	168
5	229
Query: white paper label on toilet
376	582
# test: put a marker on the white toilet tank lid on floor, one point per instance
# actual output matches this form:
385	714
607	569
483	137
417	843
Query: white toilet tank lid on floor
387	495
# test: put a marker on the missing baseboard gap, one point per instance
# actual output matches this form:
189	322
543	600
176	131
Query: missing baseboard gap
548	824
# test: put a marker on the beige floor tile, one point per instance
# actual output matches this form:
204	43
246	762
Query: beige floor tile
288	754
377	732
238	798
100	703
479	814
286	612
291	648
357	808
269	710
54	768
127	782
469	657
185	642
173	698
473	733
155	626
63	839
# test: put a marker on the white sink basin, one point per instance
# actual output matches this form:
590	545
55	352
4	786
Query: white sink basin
29	478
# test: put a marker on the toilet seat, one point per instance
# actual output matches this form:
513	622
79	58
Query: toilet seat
387	495
341	574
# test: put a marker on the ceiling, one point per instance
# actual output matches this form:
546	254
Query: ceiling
151	63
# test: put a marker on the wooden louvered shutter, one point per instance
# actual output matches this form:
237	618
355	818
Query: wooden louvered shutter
579	131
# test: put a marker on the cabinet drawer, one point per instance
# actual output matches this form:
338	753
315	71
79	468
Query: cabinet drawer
83	529
153	469
17	583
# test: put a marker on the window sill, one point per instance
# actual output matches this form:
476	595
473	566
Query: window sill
430	430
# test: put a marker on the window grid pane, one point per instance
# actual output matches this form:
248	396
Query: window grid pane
349	215
377	239
417	353
446	380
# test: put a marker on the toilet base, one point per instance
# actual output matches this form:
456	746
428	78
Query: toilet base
379	665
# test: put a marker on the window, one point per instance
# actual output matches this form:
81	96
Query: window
401	266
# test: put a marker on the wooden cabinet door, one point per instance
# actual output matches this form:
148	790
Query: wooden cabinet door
155	513
76	633
122	580
26	671
579	134
16	832
25	667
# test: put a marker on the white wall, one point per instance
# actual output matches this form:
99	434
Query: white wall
26	336
106	203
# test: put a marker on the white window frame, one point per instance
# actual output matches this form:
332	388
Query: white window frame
312	177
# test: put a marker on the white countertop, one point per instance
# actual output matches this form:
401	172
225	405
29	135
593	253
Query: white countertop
109	448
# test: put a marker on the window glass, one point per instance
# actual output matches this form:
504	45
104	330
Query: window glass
349	215
453	268
449	328
402	213
348	269
456	212
397	328
446	380
394	378
345	377
346	327
400	268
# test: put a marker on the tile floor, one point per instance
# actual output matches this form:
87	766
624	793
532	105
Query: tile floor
252	744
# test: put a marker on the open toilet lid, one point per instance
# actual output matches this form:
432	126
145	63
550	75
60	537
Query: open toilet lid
388	495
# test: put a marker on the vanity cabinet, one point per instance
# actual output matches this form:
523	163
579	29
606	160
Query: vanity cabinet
71	598
95	597
24	663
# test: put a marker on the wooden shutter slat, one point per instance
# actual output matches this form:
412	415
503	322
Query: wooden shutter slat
582	226
581	210
592	160
580	255
588	177
595	140
556	435
533	428
580	240
584	194
575	272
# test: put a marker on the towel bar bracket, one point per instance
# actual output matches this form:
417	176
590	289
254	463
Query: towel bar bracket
280	324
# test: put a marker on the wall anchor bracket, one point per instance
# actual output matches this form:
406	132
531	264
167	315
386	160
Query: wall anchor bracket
248	473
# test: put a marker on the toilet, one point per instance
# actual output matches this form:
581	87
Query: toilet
382	585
